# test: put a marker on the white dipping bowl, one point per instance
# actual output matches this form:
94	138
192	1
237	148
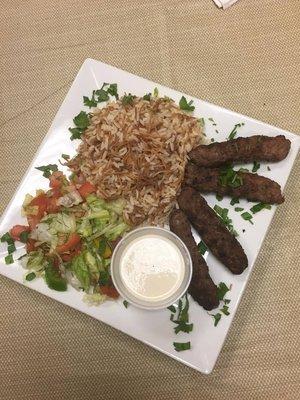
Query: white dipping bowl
151	268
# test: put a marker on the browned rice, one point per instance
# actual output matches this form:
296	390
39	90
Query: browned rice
138	152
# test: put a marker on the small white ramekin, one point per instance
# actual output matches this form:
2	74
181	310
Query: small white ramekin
116	275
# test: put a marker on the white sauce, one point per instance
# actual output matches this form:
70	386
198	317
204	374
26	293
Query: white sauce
152	268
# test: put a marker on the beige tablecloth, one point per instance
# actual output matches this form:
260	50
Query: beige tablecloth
246	59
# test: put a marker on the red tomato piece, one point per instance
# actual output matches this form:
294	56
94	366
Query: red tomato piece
16	231
109	291
71	243
56	180
86	189
30	245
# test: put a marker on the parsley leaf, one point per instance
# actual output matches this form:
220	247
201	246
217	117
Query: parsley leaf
172	309
81	121
102	95
202	248
47	169
29	277
11	248
125	303
65	157
260	206
222	289
219	197
7	238
268	168
217	318
147	97
238	209
9	259
183	327
224	310
182	346
155	92
128	99
234	130
256	166
186	106
229	177
223	215
234	201
90	102
113	90
247	217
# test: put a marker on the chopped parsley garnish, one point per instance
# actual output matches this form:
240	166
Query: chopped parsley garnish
268	168
202	248
6	238
182	319
24	236
172	309
256	166
125	303
47	169
212	140
155	92
219	197
186	106
212	120
227	301
30	277
90	102
182	346
224	310
65	157
223	215
147	97
217	318
81	121
238	209
234	201
234	131
9	259
216	130
247	217
11	248
230	177
113	90
222	289
127	99
260	206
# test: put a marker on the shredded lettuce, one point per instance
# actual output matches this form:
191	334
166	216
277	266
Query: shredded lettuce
85	228
34	261
94	299
62	223
80	269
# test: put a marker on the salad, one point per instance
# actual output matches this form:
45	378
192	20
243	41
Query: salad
70	236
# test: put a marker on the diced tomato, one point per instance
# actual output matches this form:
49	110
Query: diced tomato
41	202
16	231
71	243
52	206
30	245
56	180
109	291
33	220
86	189
69	256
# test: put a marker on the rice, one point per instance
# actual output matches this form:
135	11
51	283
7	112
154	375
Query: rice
138	152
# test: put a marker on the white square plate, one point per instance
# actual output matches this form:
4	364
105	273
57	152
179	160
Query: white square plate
153	328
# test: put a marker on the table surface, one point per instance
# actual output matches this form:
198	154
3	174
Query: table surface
246	59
